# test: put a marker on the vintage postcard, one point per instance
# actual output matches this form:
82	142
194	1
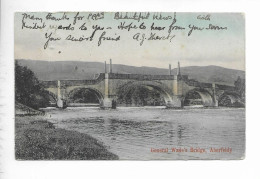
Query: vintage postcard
129	85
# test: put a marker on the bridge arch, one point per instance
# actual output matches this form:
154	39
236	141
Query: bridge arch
93	91
51	97
127	88
230	99
198	97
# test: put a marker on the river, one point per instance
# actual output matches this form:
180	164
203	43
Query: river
145	133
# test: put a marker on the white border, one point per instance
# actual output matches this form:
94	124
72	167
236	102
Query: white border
248	168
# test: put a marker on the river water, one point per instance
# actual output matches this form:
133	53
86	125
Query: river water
145	133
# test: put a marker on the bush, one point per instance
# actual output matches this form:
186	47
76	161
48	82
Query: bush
28	90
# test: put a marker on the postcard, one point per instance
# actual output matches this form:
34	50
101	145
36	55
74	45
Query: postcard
129	86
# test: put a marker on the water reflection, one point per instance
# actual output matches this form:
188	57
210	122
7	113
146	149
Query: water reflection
132	132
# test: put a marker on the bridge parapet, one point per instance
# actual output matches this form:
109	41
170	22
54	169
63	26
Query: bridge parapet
75	82
140	76
113	76
194	83
48	84
225	87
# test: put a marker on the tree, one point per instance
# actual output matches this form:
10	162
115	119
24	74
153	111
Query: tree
28	90
140	96
83	96
240	87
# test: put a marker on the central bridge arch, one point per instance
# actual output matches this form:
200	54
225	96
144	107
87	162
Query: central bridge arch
198	97
128	88
93	91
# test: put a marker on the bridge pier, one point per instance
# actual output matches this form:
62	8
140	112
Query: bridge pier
176	103
109	101
59	100
215	101
177	99
61	103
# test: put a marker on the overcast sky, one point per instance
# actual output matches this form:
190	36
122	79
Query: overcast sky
224	48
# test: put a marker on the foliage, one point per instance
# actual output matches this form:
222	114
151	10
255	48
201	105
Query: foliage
83	96
240	87
140	96
28	90
40	140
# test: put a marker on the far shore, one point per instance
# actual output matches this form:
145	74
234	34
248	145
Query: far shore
38	139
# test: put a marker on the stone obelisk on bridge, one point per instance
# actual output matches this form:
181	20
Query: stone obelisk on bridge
177	99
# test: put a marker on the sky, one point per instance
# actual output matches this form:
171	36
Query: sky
224	48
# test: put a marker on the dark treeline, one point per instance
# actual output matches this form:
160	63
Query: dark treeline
235	98
83	96
140	96
28	89
240	87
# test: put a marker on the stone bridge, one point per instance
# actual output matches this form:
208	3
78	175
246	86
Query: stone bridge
177	90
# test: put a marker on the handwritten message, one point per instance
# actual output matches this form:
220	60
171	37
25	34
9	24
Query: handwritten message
104	27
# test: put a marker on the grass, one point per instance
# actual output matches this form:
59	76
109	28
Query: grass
37	139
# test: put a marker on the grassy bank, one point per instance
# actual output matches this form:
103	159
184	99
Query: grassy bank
37	139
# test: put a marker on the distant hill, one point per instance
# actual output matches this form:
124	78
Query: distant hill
60	70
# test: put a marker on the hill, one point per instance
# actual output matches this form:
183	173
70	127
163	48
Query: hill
78	70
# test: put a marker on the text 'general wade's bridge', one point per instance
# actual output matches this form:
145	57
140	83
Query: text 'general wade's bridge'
175	89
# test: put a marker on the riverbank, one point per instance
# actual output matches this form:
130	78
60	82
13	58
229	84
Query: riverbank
38	139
